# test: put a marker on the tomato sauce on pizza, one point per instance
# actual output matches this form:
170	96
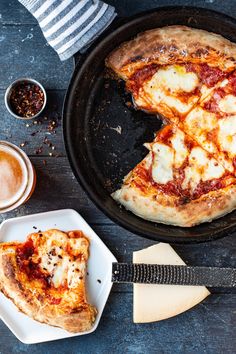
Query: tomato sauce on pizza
188	76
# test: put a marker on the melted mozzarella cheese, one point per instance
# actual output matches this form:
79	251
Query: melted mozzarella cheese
228	104
162	168
59	264
178	145
49	259
148	159
167	82
227	134
168	157
174	79
205	92
59	274
158	97
198	120
212	170
200	168
197	124
173	102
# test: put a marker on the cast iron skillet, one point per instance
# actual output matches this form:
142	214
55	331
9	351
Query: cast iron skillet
104	134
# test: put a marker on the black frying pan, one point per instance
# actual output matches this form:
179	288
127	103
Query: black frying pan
104	134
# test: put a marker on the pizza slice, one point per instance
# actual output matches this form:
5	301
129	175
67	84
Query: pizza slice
172	90
213	123
45	278
168	70
177	183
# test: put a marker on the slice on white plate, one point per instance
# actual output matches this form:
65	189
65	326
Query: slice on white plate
154	302
98	281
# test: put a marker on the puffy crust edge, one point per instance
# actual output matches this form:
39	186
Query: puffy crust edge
27	303
172	44
204	209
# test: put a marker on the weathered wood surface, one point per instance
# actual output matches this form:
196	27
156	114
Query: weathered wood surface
206	329
13	13
20	131
209	327
25	54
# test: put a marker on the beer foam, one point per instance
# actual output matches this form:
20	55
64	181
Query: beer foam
13	176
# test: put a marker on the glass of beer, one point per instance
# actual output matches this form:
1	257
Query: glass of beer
17	177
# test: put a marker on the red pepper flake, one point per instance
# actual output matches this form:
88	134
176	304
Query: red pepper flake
34	133
26	99
128	104
52	125
39	150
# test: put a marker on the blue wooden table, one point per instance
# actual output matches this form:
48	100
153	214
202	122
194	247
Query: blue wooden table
209	327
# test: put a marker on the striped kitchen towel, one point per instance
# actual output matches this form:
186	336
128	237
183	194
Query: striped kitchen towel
70	25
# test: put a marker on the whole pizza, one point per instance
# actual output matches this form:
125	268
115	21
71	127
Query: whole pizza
188	77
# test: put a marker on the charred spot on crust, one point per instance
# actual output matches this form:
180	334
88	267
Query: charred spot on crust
8	268
159	48
136	58
184	200
173	48
201	52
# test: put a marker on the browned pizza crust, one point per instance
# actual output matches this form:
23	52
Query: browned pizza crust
163	209
32	302
172	45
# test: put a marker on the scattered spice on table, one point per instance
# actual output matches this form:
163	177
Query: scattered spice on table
46	126
39	150
34	133
23	144
26	99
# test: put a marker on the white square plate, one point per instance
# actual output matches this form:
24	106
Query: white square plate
98	280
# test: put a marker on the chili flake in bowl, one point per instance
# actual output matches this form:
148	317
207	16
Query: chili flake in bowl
25	98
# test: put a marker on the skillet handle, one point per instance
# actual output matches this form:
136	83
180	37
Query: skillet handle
118	21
